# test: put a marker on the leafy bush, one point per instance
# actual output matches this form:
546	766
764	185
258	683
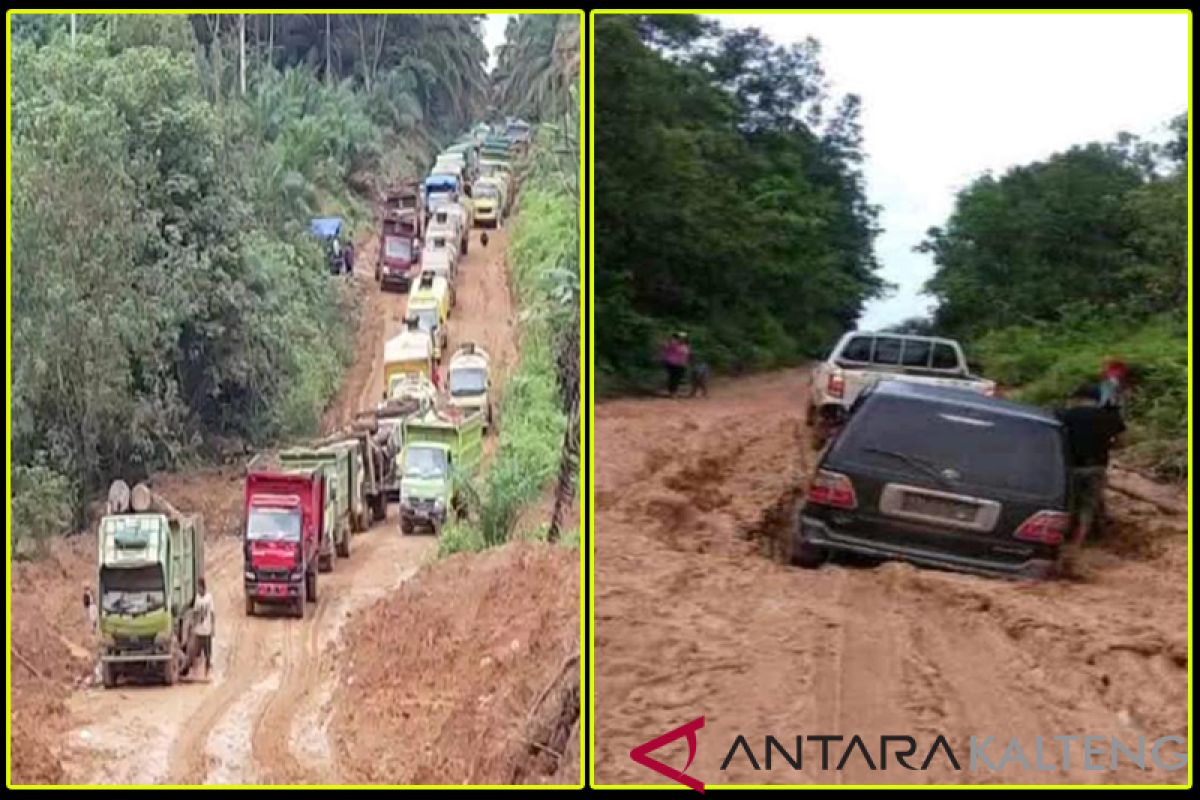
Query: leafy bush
1046	362
41	507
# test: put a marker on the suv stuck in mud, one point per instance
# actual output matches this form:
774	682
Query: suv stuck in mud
941	477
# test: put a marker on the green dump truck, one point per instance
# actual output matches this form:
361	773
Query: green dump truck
441	454
343	477
151	560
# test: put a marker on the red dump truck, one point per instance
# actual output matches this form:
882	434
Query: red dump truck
282	533
399	259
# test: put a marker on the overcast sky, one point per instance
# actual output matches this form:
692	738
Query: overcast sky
946	97
493	34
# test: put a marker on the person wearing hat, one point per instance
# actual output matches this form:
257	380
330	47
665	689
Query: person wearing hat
675	358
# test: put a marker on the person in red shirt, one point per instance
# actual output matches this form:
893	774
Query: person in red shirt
1113	380
676	355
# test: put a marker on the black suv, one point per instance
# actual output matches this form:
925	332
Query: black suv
941	477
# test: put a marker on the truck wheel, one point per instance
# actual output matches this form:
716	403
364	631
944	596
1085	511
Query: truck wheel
343	547
364	520
171	670
325	563
108	673
297	608
310	586
810	416
379	507
249	606
406	527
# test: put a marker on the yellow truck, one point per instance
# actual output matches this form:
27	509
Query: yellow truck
429	305
469	383
490	202
411	353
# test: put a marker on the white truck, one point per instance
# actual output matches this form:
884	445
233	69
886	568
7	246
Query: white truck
861	358
468	379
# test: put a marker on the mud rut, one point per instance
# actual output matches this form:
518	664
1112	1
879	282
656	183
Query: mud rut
263	715
696	614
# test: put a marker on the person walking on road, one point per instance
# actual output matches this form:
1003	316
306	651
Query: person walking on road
205	617
1092	430
676	356
91	610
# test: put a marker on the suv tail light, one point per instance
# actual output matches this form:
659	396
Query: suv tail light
836	385
832	489
1046	527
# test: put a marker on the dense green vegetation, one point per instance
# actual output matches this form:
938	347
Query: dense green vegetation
166	295
728	198
1054	266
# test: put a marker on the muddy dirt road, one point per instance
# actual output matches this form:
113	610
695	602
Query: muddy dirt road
263	716
696	615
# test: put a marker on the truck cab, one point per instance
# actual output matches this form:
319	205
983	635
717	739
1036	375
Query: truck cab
399	249
149	569
440	187
285	523
468	381
862	358
441	452
408	354
489	202
429	305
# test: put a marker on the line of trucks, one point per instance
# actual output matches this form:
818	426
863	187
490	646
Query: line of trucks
304	504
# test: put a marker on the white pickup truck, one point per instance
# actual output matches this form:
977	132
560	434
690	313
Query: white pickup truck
861	358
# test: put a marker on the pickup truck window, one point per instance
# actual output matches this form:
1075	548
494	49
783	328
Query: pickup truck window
944	357
857	349
887	350
916	353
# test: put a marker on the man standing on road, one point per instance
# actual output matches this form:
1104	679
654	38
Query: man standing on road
349	259
675	357
204	624
1092	430
91	610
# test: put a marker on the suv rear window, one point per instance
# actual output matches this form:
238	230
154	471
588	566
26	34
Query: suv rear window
988	451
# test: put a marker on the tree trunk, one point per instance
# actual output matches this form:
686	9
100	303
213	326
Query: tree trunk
72	31
242	52
271	42
328	73
216	58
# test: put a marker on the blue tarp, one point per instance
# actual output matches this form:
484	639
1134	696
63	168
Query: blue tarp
441	182
326	227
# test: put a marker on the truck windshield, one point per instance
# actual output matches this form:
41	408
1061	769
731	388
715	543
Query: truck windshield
467	381
394	247
426	318
273	525
486	192
424	462
132	590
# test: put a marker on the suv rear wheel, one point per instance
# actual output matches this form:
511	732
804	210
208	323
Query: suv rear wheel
807	555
